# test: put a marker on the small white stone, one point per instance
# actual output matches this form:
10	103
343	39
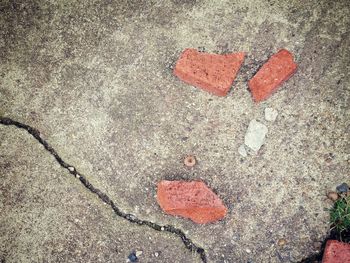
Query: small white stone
156	254
138	253
248	250
255	136
162	228
270	114
242	151
70	168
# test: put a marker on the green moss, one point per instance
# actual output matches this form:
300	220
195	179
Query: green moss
340	214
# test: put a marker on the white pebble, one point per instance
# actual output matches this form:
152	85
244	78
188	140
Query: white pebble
270	114
138	253
255	136
70	168
242	151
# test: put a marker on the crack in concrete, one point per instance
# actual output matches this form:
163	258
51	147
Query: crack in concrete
101	195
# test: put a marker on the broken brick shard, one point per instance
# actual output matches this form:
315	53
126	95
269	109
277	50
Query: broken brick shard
193	200
211	72
272	74
336	252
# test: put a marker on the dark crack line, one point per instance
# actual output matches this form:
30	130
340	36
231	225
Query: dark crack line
104	197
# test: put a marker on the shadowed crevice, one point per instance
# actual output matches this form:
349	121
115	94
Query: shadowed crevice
101	195
332	235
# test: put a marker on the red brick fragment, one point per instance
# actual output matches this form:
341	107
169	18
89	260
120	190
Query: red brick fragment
211	72
193	200
336	252
272	74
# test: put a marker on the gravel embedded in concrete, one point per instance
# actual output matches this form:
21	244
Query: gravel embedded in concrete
343	188
270	114
255	135
242	151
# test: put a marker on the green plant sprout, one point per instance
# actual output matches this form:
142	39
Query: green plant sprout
340	214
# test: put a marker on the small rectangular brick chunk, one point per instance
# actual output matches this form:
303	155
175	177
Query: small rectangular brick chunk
272	74
211	72
336	252
193	200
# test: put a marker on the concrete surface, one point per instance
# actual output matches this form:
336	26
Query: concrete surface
48	217
96	80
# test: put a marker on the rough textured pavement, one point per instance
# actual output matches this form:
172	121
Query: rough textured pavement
95	78
48	217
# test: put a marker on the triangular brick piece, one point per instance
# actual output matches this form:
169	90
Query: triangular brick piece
193	200
211	72
272	74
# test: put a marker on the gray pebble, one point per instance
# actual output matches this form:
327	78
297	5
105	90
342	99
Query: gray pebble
342	188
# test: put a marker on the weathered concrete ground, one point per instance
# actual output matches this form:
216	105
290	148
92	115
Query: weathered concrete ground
95	78
48	217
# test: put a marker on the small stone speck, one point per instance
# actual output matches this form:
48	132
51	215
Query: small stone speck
270	114
317	245
343	188
281	242
333	196
190	161
242	151
132	257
